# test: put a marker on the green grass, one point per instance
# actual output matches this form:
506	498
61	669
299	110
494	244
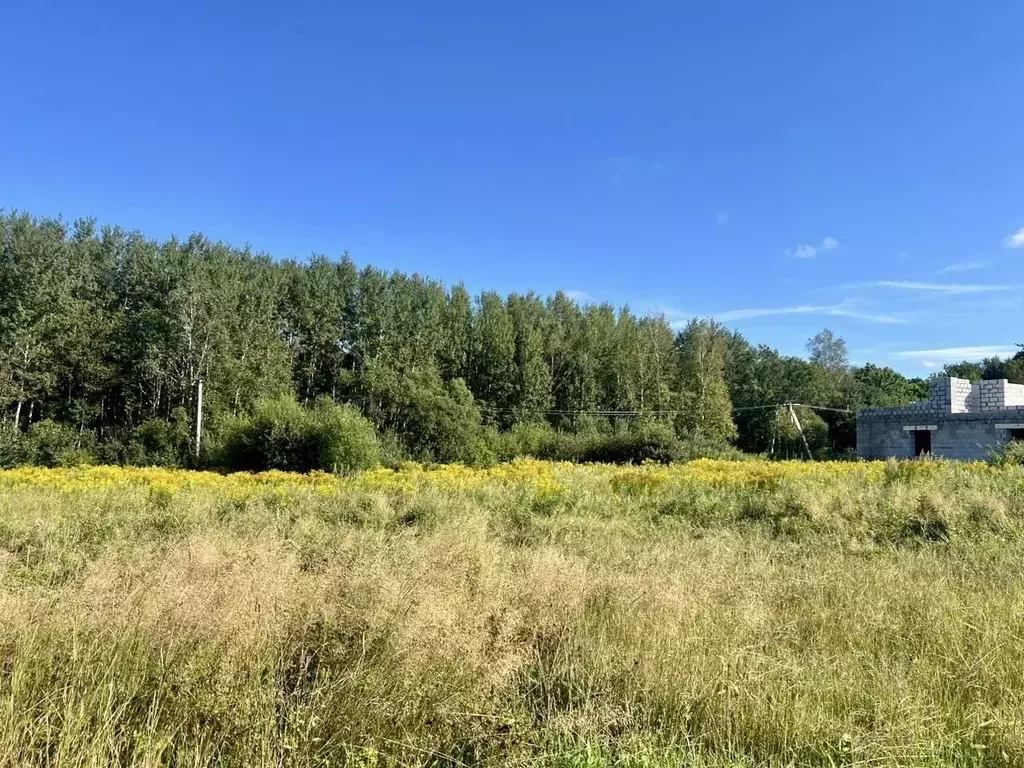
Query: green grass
796	623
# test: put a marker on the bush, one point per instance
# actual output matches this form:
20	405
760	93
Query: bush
646	441
12	447
52	444
1011	455
436	421
346	440
703	448
533	439
815	431
281	434
162	443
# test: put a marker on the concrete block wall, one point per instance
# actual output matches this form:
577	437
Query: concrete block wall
991	395
961	398
964	416
1015	396
961	436
966	440
997	395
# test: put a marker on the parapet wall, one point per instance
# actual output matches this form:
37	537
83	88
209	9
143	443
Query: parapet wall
951	396
999	395
965	421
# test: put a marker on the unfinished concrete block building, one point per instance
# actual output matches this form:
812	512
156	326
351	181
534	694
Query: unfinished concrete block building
960	420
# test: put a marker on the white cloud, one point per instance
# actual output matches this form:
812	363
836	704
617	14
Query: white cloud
963	266
802	252
805	251
933	358
949	289
1016	240
723	218
619	167
844	309
581	296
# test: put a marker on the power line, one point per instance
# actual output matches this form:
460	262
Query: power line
628	413
655	412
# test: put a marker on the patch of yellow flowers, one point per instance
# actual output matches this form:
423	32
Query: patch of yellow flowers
543	477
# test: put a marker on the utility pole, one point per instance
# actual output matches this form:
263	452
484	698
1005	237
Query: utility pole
199	416
800	429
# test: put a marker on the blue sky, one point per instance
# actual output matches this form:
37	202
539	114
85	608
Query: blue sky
781	166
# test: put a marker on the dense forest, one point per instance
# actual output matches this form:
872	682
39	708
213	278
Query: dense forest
105	336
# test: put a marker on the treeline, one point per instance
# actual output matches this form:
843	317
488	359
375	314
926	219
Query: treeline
1010	368
105	335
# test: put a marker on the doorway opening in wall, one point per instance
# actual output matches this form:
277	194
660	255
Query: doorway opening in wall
1017	434
922	442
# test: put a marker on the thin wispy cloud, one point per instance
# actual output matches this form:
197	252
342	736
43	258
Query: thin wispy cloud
581	296
619	167
843	309
805	251
628	166
934	358
963	266
948	289
1016	240
802	252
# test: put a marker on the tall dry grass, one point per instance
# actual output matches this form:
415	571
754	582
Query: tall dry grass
612	621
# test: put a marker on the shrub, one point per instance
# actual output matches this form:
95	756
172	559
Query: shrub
12	447
52	444
162	443
645	442
815	431
437	421
281	434
1011	455
346	440
702	448
538	440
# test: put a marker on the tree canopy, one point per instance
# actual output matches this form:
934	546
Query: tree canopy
106	333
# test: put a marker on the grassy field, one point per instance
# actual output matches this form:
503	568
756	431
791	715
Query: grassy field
709	614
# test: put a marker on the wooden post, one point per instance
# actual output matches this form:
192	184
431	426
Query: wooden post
199	415
800	429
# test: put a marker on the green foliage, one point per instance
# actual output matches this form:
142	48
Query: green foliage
1010	368
109	333
282	434
707	409
815	431
163	443
829	351
645	441
435	420
885	388
51	444
12	448
1011	455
